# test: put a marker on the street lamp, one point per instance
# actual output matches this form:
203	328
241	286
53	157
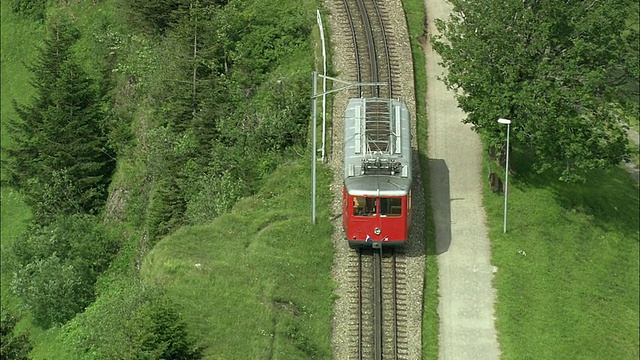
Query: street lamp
506	174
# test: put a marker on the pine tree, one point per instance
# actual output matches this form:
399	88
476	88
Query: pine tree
61	134
23	155
192	90
156	16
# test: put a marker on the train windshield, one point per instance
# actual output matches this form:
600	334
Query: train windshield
364	206
390	206
368	206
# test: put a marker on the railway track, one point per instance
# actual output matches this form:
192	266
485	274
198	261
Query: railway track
378	294
372	44
379	304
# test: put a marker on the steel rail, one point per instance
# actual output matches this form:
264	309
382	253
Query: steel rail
385	48
377	304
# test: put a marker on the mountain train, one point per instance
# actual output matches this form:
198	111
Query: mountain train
376	204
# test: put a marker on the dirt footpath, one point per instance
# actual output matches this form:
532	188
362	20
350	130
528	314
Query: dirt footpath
467	329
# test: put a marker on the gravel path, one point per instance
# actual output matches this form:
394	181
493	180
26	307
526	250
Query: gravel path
343	62
466	296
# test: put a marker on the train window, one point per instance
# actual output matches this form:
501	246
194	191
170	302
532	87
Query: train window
364	206
390	206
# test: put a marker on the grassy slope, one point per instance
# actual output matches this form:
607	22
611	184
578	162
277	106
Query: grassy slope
256	283
19	38
568	268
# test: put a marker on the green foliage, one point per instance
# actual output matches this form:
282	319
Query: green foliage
133	58
51	289
228	107
187	170
58	265
167	158
56	195
215	196
272	36
285	123
131	321
12	346
34	9
59	140
166	209
161	333
156	17
547	66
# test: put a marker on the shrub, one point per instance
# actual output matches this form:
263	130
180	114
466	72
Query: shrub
12	346
34	9
52	290
58	265
131	321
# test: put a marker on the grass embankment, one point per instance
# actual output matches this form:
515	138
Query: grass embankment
256	283
415	15
19	39
253	284
567	277
263	288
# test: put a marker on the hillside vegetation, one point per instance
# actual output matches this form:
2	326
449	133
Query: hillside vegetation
142	125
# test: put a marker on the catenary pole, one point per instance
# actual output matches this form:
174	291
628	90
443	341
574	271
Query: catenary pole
324	87
313	148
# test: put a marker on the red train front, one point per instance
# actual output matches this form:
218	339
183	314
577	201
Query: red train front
376	206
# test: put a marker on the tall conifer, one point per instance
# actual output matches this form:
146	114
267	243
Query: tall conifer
58	155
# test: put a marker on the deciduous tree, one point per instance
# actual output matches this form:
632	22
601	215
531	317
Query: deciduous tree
548	66
58	265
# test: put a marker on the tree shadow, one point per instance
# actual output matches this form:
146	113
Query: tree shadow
522	167
610	196
419	242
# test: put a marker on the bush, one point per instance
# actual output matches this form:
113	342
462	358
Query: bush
52	290
58	265
12	346
160	333
34	9
57	195
215	196
131	321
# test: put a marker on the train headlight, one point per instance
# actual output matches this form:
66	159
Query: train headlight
376	231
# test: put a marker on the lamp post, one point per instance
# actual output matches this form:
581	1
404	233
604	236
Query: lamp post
506	174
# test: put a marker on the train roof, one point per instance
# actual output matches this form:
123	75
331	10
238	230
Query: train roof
378	185
377	146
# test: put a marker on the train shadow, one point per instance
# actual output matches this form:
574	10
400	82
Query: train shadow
440	203
416	246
